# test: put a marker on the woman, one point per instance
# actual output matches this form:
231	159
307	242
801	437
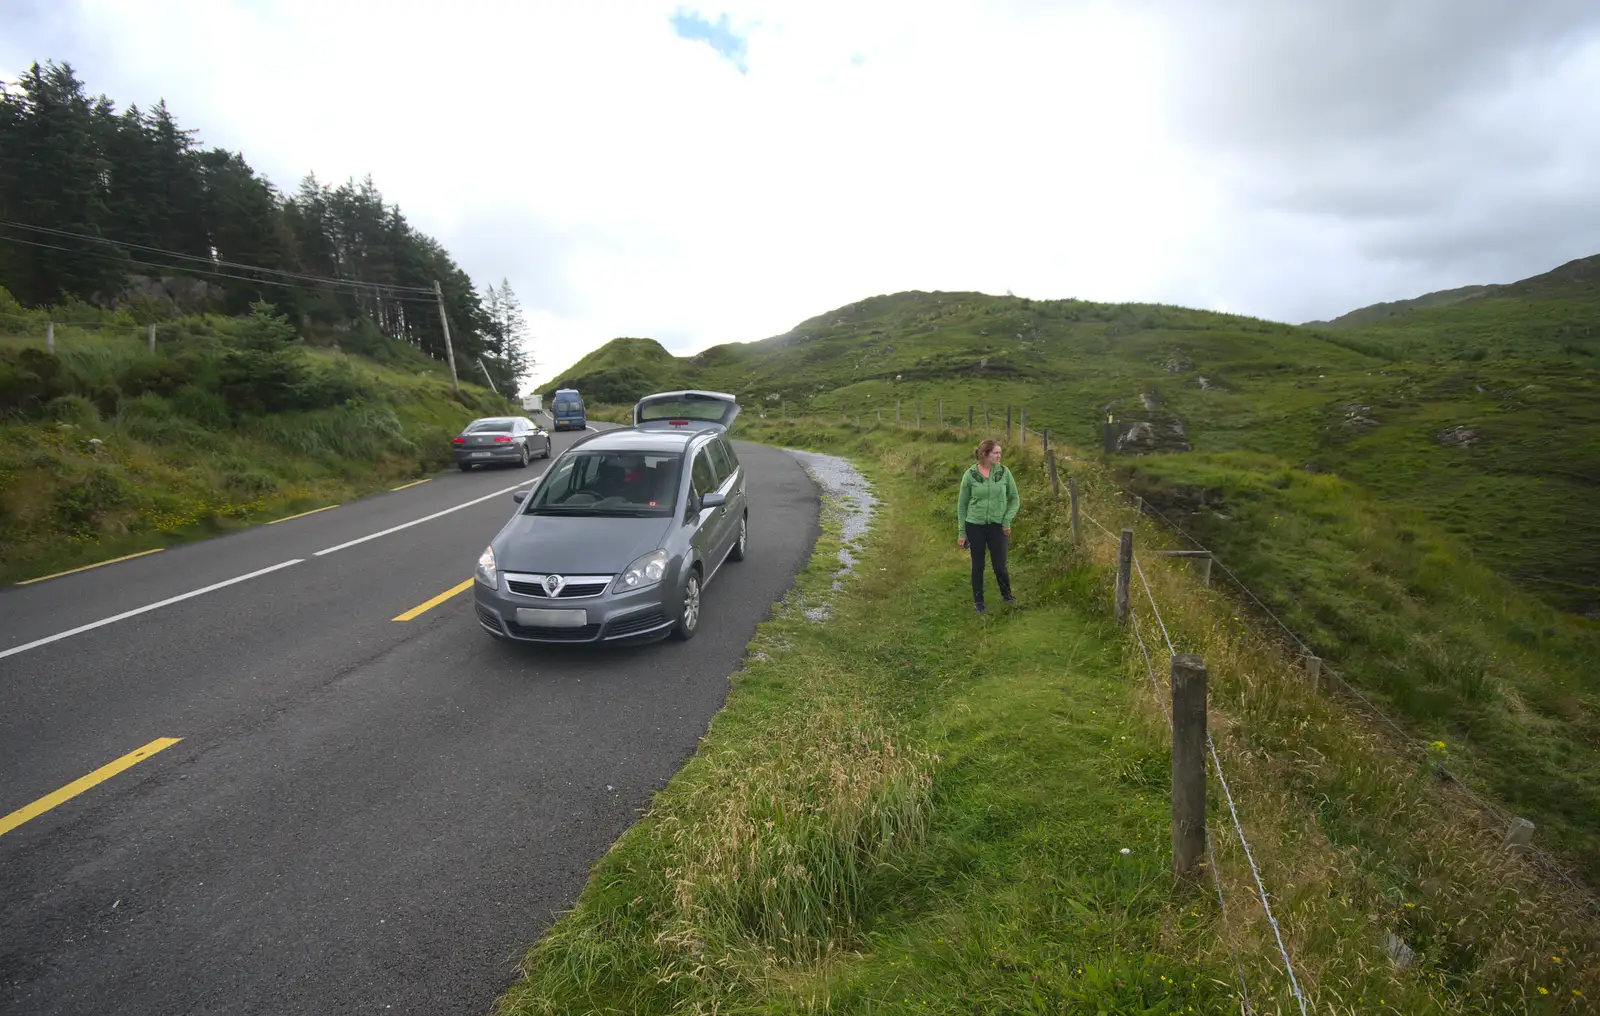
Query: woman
984	511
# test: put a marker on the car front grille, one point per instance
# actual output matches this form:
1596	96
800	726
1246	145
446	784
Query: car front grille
531	585
636	623
587	633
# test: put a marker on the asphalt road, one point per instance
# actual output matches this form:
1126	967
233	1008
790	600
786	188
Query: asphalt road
362	814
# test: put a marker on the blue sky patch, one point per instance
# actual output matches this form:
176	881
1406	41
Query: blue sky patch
719	35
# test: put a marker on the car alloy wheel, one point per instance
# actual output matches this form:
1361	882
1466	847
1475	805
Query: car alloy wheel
524	463
690	622
737	554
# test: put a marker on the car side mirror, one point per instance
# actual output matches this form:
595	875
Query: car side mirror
715	499
519	496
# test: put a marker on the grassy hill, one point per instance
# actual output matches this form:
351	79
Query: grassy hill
1482	415
108	449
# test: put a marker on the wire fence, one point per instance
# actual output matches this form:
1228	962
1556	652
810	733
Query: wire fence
1407	741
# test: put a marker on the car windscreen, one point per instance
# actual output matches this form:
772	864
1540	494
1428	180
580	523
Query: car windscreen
480	426
708	410
626	484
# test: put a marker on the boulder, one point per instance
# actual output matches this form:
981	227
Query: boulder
1458	437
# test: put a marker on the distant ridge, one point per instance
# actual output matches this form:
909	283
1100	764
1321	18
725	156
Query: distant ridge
1571	279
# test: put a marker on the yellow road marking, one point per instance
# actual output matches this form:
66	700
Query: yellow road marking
302	515
101	564
418	611
413	483
78	786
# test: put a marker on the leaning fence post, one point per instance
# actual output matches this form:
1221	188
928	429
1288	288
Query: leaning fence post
1205	572
1188	762
152	338
1314	671
1124	574
50	337
1055	482
1138	504
1072	495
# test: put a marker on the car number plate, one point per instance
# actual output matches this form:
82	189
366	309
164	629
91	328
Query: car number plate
480	455
541	617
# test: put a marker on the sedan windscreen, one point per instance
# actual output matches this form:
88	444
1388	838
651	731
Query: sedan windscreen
480	426
609	483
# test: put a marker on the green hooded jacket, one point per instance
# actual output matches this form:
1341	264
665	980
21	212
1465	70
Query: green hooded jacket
987	501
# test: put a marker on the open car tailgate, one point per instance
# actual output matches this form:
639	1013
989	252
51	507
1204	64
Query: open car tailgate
686	410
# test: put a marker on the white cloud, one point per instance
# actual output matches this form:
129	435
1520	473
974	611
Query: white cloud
631	182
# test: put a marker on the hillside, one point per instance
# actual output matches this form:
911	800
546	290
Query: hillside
1483	415
107	449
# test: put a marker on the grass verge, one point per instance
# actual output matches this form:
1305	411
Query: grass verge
910	808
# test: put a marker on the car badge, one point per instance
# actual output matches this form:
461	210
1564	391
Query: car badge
553	584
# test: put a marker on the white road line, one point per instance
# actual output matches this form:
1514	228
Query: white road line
426	518
145	609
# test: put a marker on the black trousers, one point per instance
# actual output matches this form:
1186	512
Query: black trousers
990	538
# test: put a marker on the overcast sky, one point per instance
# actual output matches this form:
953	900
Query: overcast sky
720	172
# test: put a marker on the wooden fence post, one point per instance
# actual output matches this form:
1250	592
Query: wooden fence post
152	338
1055	481
1072	495
1314	671
1124	574
919	416
1022	427
897	412
1008	423
1188	762
843	415
880	420
985	417
50	337
1205	572
1046	439
939	403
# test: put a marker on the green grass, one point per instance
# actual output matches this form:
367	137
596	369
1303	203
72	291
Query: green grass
180	457
910	808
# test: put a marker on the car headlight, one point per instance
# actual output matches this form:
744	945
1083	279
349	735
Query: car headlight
486	572
646	571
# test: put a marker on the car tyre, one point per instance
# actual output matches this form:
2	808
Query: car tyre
743	542
547	446
689	621
523	463
466	467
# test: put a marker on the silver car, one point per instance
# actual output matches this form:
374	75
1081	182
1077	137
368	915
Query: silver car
620	536
504	440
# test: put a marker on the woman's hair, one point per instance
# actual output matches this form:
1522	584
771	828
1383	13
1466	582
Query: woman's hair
984	448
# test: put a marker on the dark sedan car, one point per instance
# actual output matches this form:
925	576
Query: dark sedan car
508	440
622	533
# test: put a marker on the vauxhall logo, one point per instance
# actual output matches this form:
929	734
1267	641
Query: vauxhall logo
553	584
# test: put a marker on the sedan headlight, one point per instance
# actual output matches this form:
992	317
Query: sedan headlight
646	571
486	572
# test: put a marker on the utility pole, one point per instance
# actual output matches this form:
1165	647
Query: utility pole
449	350
492	386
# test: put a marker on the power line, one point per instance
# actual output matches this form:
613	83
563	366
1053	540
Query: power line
211	261
205	271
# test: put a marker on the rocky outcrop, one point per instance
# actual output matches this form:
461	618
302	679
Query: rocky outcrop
1148	436
1458	437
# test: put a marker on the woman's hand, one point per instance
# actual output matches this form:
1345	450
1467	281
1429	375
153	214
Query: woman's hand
1006	530
961	541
